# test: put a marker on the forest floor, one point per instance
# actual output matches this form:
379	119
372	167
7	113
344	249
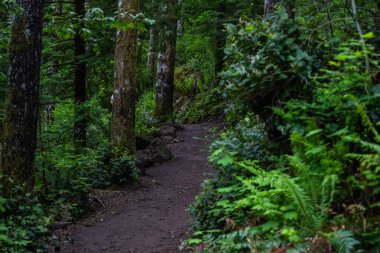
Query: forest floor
153	216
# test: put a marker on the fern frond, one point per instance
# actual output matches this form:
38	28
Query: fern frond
363	114
302	200
366	159
365	144
309	180
343	241
328	191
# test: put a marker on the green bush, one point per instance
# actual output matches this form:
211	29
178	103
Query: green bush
23	222
324	192
123	167
235	144
267	64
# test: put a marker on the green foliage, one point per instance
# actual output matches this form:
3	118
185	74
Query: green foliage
343	241
189	79
323	192
231	146
206	105
123	167
145	120
302	176
247	140
267	63
23	222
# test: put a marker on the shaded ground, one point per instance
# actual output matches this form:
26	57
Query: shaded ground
153	217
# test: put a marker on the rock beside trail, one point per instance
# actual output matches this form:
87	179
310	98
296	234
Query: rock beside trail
142	142
154	150
157	151
168	131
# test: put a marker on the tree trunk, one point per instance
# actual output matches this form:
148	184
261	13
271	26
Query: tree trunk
152	55
269	7
166	63
22	103
80	122
124	95
377	23
220	39
53	70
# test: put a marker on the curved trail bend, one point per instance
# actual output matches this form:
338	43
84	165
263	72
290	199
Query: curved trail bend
152	217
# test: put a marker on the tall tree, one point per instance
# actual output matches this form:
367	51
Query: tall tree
166	62
151	9
152	55
80	123
125	85
220	37
22	103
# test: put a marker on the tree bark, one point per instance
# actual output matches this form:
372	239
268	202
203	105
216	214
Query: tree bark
80	122
22	103
152	55
125	86
166	63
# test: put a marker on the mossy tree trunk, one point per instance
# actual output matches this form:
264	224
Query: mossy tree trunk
80	123
125	85
22	102
166	62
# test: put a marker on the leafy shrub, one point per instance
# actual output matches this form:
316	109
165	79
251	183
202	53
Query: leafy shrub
123	167
234	144
323	193
248	140
267	64
23	222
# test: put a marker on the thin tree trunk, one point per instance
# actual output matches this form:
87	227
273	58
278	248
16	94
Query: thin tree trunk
80	123
377	22
22	103
269	7
166	63
152	55
220	39
124	96
53	70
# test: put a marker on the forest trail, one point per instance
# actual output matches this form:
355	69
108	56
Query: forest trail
152	217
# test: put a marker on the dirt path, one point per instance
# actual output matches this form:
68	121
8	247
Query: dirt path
153	217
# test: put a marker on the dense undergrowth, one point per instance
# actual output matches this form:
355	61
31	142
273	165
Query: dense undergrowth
308	181
297	167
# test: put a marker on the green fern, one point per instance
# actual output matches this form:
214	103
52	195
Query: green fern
367	160
343	241
309	182
328	191
363	114
303	201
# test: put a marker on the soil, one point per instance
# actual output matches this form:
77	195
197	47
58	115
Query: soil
153	216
